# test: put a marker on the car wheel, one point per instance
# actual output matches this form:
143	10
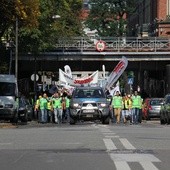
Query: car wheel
162	121
105	120
14	120
72	121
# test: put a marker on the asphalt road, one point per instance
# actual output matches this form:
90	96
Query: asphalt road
85	146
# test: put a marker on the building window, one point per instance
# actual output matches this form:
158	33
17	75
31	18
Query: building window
168	7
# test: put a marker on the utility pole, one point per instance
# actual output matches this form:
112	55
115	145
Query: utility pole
16	48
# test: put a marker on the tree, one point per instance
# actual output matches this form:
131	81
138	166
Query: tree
109	17
26	11
45	36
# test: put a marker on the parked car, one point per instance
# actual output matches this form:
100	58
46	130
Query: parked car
145	108
165	110
88	104
25	111
154	107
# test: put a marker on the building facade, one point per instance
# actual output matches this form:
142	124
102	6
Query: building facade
151	18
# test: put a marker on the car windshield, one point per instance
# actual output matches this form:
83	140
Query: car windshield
7	89
167	99
89	93
156	102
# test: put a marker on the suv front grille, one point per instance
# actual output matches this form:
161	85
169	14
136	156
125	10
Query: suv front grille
92	104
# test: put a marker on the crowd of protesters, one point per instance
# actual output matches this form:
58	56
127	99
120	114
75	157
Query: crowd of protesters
53	108
126	108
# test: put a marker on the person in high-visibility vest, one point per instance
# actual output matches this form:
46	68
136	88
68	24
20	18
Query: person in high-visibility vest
43	109
49	110
117	104
128	106
136	106
57	107
67	108
36	108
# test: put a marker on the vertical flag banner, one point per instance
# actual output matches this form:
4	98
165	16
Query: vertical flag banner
117	72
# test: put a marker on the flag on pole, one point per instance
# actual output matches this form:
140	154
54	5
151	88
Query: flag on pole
117	72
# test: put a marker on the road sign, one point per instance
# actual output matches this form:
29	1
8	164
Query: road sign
130	80
100	46
36	77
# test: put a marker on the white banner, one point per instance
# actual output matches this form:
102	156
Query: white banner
117	72
67	70
64	77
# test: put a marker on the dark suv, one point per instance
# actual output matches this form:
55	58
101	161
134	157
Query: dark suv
165	110
88	104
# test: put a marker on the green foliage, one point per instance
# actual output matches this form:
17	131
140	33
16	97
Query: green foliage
109	17
45	36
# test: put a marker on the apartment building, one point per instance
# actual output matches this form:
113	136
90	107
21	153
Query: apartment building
150	18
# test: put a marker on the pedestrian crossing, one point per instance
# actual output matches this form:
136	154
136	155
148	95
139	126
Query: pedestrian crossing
124	157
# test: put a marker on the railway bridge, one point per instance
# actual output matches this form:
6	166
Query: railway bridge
148	58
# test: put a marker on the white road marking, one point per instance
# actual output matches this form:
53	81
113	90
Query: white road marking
109	133
144	159
109	144
126	143
148	165
135	157
105	130
111	136
121	165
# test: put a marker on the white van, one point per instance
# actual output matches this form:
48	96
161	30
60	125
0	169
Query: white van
8	98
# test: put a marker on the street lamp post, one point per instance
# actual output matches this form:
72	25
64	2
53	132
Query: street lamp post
16	48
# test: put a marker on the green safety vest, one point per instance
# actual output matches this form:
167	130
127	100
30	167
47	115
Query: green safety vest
56	103
117	102
136	102
43	103
67	102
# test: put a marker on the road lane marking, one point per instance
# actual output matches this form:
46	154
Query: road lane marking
126	143
121	165
105	130
144	159
134	157
148	165
109	144
111	136
109	133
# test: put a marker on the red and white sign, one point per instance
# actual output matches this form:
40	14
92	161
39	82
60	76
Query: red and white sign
64	77
117	72
100	46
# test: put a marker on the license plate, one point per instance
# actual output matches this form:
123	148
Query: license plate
89	115
88	111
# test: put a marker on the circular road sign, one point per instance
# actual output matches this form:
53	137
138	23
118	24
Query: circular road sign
36	77
100	46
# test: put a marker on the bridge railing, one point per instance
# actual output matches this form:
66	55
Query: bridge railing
114	44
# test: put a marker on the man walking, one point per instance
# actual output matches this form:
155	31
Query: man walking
116	104
136	105
57	106
43	109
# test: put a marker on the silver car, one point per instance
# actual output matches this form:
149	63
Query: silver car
154	107
88	104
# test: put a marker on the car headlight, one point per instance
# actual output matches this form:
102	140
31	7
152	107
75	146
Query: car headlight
103	104
76	105
8	105
21	108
